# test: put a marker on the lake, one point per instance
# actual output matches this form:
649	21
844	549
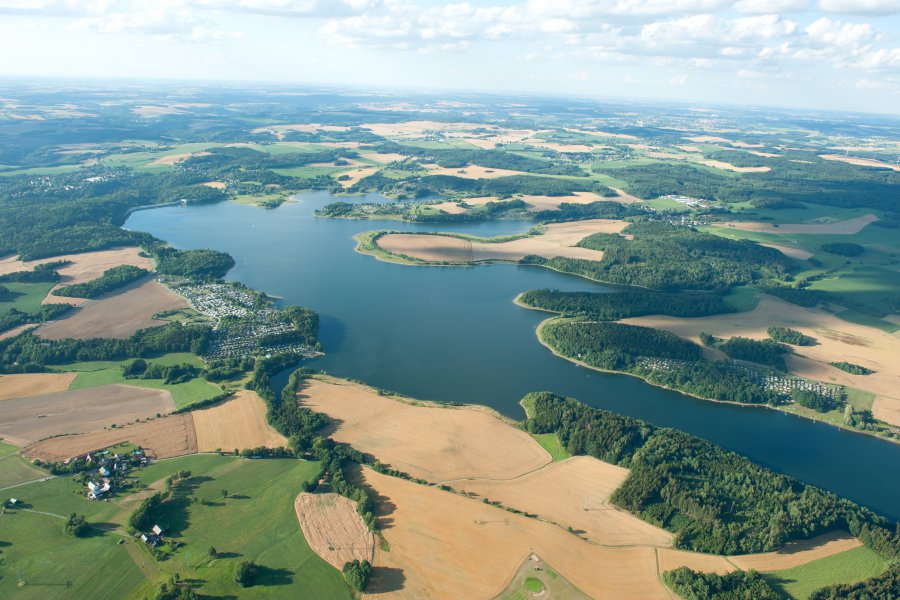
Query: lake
454	334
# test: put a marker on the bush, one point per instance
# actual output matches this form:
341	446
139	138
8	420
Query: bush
76	525
738	585
789	336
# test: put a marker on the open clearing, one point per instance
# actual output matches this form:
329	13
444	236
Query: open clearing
862	162
537	203
356	174
383	157
718	164
118	315
25	420
798	553
558	239
848	227
797	253
574	493
163	437
472	172
837	340
333	528
238	423
425	440
448	546
85	266
34	384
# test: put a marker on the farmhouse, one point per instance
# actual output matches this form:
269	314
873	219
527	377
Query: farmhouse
98	490
153	537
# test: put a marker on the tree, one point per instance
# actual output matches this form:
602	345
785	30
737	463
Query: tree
357	574
245	572
76	525
213	553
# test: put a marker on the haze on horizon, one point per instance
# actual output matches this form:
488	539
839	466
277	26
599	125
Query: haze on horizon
815	54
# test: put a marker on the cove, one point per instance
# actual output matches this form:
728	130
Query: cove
454	334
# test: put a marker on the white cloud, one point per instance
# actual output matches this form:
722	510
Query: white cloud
861	7
767	7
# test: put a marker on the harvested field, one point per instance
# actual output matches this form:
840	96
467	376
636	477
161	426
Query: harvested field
746	145
238	423
848	227
155	111
164	437
279	130
173	159
689	148
718	164
559	239
448	546
797	253
26	420
84	267
707	139
333	528
538	203
558	147
473	172
383	158
798	553
598	133
16	330
670	559
357	174
837	340
763	154
574	493
862	162
118	315
624	197
216	185
425	440
34	384
451	208
415	128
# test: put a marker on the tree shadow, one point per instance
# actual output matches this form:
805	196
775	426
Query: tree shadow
228	555
385	579
238	497
269	576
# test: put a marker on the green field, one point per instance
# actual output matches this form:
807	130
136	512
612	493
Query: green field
255	522
26	296
550	442
667	205
41	170
15	470
94	374
847	567
308	171
742	298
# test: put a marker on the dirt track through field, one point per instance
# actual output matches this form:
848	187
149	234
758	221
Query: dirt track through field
34	384
573	493
427	440
162	437
237	423
559	239
117	315
333	528
26	420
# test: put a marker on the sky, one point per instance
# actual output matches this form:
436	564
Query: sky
815	54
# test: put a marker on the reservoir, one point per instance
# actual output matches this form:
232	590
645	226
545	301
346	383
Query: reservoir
454	334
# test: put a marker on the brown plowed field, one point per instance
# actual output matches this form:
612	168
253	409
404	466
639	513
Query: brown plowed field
425	440
164	437
574	493
26	420
34	384
238	423
118	315
333	528
443	545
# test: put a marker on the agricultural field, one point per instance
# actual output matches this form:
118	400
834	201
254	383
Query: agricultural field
34	384
118	315
848	567
333	528
239	422
430	441
262	527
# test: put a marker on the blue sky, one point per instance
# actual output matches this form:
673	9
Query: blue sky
833	54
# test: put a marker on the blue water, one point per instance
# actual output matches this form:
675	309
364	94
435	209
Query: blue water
454	334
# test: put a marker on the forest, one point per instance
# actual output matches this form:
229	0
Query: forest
490	159
713	500
666	257
197	264
737	585
616	305
786	335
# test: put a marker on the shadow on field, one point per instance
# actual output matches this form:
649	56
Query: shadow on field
269	576
385	579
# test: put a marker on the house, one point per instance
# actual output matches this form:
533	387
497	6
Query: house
97	490
153	537
157	530
104	471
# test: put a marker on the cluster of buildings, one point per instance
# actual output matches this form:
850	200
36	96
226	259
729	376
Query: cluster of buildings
110	467
218	300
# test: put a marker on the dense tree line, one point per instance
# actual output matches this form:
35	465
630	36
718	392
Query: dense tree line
430	185
665	257
712	499
615	345
786	335
623	304
813	400
851	368
201	264
737	585
843	248
170	374
486	212
601	209
111	279
799	296
676	363
306	321
882	587
25	353
764	352
47	312
357	574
